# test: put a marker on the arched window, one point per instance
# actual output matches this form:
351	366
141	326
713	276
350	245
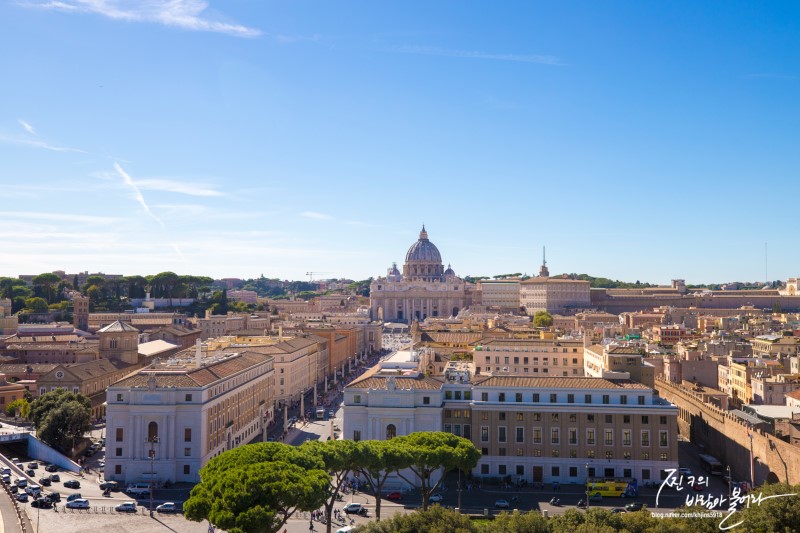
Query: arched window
152	432
391	431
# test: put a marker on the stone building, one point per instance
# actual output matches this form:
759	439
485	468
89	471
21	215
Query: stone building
424	289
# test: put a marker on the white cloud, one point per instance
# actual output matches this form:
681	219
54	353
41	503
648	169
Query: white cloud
60	217
38	144
185	14
473	54
26	126
191	189
315	215
137	194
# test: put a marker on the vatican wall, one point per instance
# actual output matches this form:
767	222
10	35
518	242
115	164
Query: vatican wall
725	437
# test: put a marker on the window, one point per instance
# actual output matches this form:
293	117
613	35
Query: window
119	434
590	437
645	438
356	398
501	452
501	415
187	452
484	434
537	452
662	439
186	470
520	470
609	454
448	395
609	419
570	398
537	417
501	469
458	395
641	402
573	453
555	471
426	400
664	457
590	455
554	436
448	413
501	397
520	434
606	398
118	452
485	398
626	455
501	434
118	470
535	397
119	396
187	434
623	399
573	417
537	435
485	469
518	397
609	440
484	451
356	435
553	398
590	418
645	419
646	456
188	398
662	420
520	417
573	436
467	431
587	398
645	473
626	419
468	394
485	415
573	471
554	417
391	431
520	452
626	437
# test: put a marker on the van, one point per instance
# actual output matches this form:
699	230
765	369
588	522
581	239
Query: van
34	490
5	471
22	482
138	489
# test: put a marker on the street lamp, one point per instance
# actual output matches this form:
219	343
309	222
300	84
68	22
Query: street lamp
587	486
153	441
459	490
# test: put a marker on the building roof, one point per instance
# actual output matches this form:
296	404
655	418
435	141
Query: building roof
559	383
401	382
795	394
545	279
167	375
155	347
118	326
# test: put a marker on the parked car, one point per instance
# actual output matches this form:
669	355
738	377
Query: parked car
7	479
34	490
44	481
501	504
55	477
13	489
168	507
33	465
684	472
22	497
51	468
110	485
394	496
6	471
78	504
19	465
75	496
72	484
30	472
42	503
435	498
635	506
617	510
353	508
127	507
22	482
54	497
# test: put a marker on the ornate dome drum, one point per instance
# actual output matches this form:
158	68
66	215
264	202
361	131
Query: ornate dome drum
423	260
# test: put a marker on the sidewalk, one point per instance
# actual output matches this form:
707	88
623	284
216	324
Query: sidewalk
8	512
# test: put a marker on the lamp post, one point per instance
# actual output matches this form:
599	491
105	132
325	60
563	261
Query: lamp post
587	486
153	441
459	490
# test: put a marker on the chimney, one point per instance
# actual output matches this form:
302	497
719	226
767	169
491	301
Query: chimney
198	356
280	333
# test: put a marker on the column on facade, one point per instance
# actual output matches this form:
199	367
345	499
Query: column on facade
171	441
138	438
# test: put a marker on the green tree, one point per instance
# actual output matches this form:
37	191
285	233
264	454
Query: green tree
339	457
48	401
256	488
436	451
542	319
44	285
64	424
377	459
434	520
19	407
36	304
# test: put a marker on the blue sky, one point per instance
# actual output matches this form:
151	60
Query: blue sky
636	140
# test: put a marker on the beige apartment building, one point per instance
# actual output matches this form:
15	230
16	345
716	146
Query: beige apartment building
774	345
618	362
187	410
554	295
534	357
549	429
499	294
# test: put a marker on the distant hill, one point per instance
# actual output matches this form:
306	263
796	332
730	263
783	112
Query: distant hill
595	283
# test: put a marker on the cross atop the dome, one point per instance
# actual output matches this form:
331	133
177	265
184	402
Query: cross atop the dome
423	234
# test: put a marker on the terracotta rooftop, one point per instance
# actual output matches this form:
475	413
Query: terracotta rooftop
375	381
559	383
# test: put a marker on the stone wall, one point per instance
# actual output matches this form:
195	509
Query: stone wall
725	437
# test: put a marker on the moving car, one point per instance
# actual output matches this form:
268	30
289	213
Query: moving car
127	507
33	465
42	503
55	477
501	504
54	497
44	481
435	498
22	482
635	506
110	485
22	497
34	490
7	479
6	471
72	484
80	503
353	508
168	507
51	468
31	472
394	496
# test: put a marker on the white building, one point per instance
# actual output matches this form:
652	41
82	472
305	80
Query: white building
500	294
187	410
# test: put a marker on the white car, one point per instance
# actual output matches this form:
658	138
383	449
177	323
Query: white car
80	503
354	508
501	504
127	507
435	498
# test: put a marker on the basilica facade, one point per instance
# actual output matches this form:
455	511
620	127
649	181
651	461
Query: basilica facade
424	289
